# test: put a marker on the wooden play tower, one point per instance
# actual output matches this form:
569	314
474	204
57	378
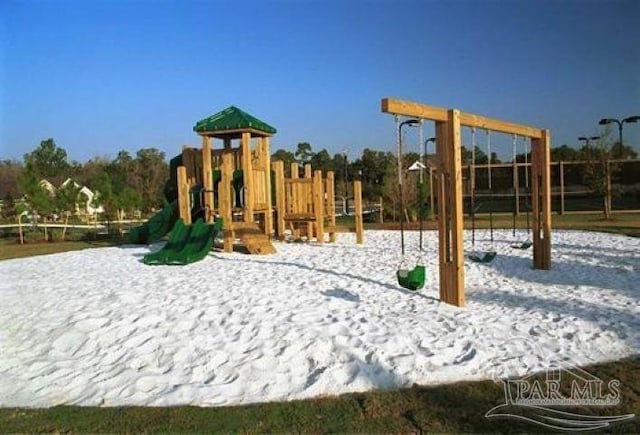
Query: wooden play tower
449	187
243	161
238	183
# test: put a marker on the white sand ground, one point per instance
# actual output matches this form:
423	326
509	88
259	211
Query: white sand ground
98	327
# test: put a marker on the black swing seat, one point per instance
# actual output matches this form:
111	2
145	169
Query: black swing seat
412	279
523	245
483	257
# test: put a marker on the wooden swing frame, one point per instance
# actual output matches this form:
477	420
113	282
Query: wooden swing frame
448	125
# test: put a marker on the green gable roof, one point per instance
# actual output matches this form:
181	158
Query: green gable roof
233	119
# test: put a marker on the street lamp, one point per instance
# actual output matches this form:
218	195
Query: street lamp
587	139
630	119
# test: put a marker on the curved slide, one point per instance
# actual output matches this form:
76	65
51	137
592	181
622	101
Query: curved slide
187	244
156	227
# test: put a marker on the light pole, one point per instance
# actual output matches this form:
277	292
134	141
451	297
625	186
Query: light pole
588	139
630	119
346	185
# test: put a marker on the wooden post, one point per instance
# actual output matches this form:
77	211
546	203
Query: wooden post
207	177
318	206
184	207
432	199
450	209
516	187
608	205
20	228
381	211
310	225
561	188
330	193
268	217
278	168
541	201
224	198
357	193
295	197
247	171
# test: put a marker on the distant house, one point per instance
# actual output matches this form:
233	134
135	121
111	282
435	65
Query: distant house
84	206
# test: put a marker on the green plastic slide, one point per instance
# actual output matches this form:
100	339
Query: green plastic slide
156	227
187	244
199	243
177	239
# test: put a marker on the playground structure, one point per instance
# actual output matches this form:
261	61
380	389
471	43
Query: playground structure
242	187
307	204
449	186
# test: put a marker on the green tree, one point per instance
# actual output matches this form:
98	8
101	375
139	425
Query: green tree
8	206
126	200
563	153
599	173
48	161
9	174
621	151
39	200
152	170
103	193
303	152
122	172
286	157
322	161
66	201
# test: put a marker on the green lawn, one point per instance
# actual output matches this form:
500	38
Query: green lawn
457	407
10	248
450	408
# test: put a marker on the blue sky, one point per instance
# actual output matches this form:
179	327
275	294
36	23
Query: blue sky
100	76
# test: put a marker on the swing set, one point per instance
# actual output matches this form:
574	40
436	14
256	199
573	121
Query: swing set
448	165
414	278
489	255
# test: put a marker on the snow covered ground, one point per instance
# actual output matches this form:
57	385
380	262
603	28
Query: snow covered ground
98	327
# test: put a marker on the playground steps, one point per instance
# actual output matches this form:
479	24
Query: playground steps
339	229
256	242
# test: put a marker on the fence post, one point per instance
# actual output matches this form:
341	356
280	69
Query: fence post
561	187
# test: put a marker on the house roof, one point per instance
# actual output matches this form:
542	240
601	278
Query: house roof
231	123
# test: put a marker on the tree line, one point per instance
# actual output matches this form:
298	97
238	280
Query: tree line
123	184
136	181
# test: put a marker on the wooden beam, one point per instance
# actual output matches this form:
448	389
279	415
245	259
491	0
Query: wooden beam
184	206
450	209
417	110
308	174
318	207
357	193
247	169
278	168
330	192
224	198
207	178
541	201
268	218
